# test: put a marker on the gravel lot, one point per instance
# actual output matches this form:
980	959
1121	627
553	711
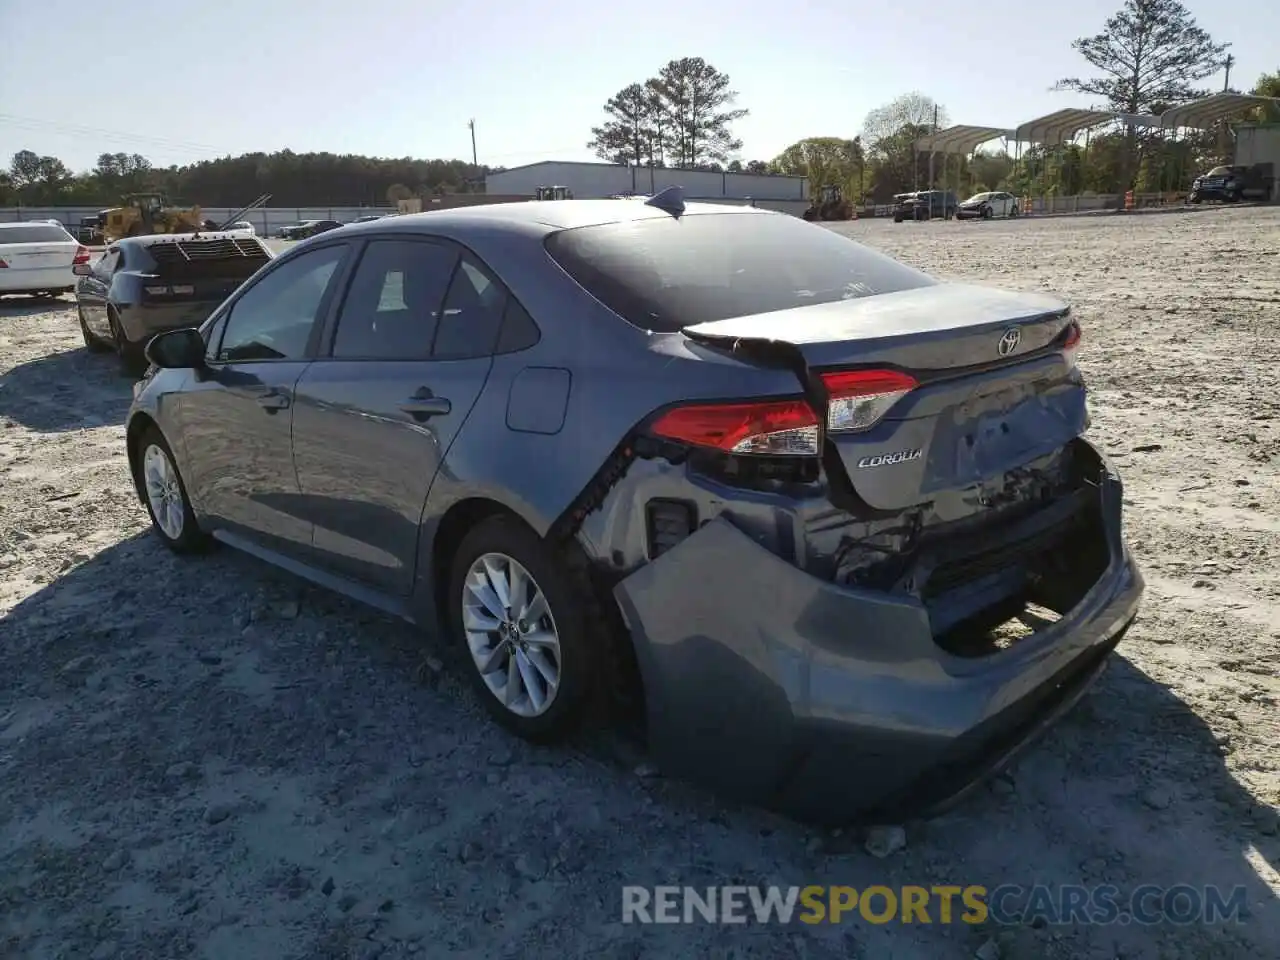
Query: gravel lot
206	758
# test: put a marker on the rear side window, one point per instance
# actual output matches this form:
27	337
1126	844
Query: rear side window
35	233
664	274
472	315
392	308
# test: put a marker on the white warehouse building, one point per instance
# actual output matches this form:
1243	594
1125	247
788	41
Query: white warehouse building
594	180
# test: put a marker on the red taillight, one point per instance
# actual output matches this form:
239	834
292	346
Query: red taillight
859	398
778	427
82	256
2	263
1070	344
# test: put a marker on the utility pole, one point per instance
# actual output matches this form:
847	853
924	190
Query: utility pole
1224	136
1228	63
472	124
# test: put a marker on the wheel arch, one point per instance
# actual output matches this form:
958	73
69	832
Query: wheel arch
139	424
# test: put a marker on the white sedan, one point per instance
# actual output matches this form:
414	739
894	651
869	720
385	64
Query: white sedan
36	257
984	206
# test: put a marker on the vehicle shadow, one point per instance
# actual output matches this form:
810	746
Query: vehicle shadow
67	390
12	305
141	691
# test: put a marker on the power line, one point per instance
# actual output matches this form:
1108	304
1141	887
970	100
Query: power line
32	123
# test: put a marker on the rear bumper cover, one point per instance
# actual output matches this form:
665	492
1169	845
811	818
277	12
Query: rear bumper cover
835	704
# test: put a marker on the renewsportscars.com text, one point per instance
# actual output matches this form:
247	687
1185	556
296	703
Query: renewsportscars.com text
1005	904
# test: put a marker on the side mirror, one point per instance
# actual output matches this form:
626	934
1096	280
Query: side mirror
82	269
177	349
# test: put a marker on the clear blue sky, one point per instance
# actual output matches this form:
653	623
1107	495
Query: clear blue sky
400	78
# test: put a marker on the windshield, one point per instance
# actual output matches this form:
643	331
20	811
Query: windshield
978	198
35	233
664	274
1219	172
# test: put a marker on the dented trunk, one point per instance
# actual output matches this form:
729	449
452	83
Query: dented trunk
993	388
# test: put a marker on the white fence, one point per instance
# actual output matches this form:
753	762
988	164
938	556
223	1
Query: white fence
267	221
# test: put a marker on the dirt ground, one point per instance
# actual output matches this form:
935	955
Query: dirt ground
208	759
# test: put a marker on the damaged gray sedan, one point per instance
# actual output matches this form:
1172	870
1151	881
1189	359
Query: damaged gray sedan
825	526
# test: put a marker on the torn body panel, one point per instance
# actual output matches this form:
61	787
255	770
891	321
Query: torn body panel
827	700
774	625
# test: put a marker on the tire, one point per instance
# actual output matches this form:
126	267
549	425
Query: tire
897	219
488	552
165	495
132	359
92	343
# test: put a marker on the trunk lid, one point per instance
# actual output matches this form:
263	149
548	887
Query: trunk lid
990	395
38	256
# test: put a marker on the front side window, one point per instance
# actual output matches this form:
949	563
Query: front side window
272	320
393	306
664	274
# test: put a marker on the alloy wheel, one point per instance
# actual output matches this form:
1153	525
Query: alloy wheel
511	634
164	494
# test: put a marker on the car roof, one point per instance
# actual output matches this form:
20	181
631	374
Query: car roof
549	215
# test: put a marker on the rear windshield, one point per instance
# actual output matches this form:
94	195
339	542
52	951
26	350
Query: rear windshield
223	259
666	274
34	233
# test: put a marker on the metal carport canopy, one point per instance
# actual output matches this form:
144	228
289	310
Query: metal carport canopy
1204	113
1063	125
959	139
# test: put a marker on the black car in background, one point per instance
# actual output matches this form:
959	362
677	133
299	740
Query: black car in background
1234	183
925	205
307	228
142	286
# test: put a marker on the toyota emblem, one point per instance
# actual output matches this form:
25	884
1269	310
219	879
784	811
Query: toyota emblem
1009	341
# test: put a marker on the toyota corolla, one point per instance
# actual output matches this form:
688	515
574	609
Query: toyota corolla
826	525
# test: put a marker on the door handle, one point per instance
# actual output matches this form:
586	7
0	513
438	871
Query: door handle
273	401
424	404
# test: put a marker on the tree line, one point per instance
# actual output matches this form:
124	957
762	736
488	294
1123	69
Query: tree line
292	179
1149	56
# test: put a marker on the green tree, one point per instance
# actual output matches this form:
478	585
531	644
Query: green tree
696	105
629	133
1149	52
1268	85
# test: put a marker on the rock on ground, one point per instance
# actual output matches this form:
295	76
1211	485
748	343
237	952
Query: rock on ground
202	758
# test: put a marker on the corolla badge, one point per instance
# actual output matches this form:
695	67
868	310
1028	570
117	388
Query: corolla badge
887	459
1009	341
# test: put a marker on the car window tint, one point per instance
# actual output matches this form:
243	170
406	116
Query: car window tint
392	307
663	274
472	315
272	320
519	332
107	263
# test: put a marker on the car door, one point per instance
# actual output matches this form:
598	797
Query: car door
237	414
1000	205
409	354
92	292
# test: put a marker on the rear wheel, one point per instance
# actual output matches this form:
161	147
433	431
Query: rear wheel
515	614
92	343
1013	212
165	495
132	359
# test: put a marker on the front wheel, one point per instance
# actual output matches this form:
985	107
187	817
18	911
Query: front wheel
514	611
172	518
987	213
